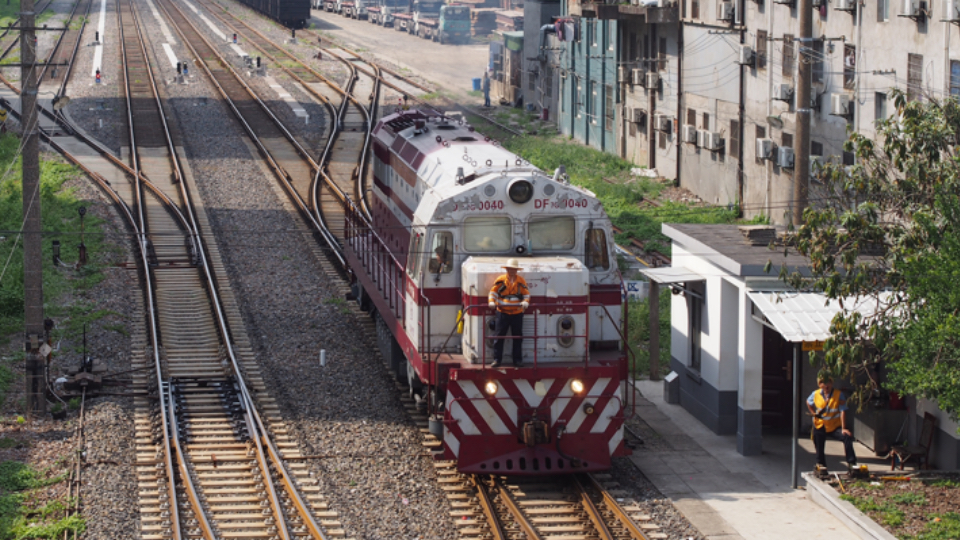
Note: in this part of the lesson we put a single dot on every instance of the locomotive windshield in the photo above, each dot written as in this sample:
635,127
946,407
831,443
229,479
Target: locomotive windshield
596,256
487,233
552,233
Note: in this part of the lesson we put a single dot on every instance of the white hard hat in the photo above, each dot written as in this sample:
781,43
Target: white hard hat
512,263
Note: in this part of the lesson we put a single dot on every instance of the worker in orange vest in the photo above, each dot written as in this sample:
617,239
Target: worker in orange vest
510,298
830,419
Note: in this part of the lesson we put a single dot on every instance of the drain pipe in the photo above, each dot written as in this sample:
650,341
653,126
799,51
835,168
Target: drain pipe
541,51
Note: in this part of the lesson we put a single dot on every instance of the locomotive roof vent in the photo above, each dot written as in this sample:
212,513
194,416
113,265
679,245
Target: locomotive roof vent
419,126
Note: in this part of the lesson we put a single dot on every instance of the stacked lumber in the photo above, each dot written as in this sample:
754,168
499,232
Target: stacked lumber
483,21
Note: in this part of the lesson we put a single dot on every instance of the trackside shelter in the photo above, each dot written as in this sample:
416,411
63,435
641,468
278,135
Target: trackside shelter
741,340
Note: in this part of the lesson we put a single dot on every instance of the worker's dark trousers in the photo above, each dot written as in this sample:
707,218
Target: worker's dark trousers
820,437
513,323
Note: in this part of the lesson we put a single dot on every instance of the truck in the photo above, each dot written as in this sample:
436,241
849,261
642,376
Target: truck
382,11
431,19
354,9
328,5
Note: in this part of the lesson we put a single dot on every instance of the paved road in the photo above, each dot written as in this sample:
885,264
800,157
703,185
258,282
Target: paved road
449,66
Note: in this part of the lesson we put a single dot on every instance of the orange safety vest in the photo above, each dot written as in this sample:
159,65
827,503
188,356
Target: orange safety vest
508,296
831,410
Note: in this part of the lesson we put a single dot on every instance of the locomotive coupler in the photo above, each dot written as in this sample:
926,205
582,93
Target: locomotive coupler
535,431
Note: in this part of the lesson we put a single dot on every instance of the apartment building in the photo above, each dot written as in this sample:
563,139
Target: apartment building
704,90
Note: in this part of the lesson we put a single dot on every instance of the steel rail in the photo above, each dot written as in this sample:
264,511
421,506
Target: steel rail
486,504
514,508
13,26
223,326
251,409
265,153
174,507
618,510
592,512
56,46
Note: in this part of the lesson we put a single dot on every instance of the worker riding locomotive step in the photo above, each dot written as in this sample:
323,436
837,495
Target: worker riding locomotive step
509,297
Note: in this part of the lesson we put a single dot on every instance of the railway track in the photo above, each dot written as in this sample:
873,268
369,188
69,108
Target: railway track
210,456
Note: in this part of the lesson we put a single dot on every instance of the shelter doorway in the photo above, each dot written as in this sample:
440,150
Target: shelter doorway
777,405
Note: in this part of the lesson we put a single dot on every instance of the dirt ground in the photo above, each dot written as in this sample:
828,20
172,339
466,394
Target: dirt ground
924,506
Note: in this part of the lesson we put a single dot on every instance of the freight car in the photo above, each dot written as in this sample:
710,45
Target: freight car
290,13
447,208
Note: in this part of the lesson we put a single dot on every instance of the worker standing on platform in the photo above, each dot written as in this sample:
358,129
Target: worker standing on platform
485,86
510,298
830,419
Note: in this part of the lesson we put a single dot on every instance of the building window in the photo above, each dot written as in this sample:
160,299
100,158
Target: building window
578,97
694,9
849,66
592,101
608,106
914,76
788,56
691,117
786,140
735,139
761,133
706,121
817,74
592,25
880,104
954,78
761,49
695,311
662,140
532,80
848,159
883,10
816,149
548,82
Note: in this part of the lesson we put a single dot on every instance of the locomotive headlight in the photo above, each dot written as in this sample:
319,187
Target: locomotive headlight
576,385
490,388
520,191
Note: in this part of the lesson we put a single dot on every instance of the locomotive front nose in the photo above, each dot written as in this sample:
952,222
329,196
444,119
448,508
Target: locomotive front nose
520,191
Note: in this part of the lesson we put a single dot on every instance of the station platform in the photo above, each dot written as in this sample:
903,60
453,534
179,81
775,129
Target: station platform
725,495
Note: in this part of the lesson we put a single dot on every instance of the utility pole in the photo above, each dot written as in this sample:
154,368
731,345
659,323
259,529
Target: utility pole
801,143
32,249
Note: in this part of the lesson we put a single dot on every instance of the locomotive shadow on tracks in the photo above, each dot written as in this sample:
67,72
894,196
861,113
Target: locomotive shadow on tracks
322,24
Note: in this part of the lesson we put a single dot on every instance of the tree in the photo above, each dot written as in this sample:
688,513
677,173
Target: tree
887,230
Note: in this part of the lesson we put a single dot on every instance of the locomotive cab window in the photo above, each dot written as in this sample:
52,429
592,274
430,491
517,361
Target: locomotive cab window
441,253
414,255
551,233
596,256
487,234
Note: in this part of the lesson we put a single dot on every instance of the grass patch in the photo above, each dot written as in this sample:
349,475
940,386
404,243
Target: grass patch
61,221
944,483
917,499
887,513
638,331
608,176
7,443
334,300
9,13
23,515
941,527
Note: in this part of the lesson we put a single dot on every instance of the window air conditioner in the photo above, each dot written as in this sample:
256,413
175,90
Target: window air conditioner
701,137
783,92
951,11
785,157
712,141
724,11
846,5
911,8
817,3
690,134
765,148
622,73
663,122
639,115
787,2
840,105
747,56
637,76
652,80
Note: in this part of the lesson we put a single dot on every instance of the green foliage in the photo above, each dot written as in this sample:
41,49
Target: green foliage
639,333
888,513
21,517
74,404
892,223
918,499
9,13
7,443
945,483
60,221
941,527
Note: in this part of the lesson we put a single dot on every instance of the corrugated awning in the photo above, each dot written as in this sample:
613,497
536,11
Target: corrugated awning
806,316
671,274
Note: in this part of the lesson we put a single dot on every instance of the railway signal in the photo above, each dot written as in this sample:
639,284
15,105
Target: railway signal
234,39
